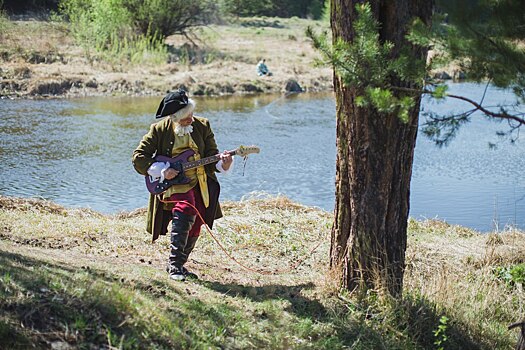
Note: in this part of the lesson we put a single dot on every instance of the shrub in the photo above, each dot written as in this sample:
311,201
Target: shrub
167,17
130,30
94,23
247,7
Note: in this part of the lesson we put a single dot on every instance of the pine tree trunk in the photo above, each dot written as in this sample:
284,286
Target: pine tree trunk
374,163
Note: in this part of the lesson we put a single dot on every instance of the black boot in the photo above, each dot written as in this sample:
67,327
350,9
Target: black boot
180,228
190,244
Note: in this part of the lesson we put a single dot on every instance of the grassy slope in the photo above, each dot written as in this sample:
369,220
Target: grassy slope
79,279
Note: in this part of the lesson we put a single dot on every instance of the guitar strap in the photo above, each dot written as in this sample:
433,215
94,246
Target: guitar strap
201,175
203,185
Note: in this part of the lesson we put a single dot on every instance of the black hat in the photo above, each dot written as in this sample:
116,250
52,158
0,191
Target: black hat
174,102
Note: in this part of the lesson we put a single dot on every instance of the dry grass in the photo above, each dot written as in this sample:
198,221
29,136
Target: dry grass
257,232
36,36
23,204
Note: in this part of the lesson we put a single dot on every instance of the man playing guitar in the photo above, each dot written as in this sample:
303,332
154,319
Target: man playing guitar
172,136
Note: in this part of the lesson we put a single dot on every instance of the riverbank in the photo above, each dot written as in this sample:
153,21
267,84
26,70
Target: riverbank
40,59
74,278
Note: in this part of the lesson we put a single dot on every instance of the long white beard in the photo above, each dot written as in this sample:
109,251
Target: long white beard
183,130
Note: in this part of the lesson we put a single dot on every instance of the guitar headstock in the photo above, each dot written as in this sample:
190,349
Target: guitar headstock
243,151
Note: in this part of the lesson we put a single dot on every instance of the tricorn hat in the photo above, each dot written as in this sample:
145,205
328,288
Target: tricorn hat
176,103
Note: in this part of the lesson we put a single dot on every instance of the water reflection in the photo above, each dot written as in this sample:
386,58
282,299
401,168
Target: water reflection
78,152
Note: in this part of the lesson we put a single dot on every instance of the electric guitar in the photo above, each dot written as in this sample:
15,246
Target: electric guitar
181,163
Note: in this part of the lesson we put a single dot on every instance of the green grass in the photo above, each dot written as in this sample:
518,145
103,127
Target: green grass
95,281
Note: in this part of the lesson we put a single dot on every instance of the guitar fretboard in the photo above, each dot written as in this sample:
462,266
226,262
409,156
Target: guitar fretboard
203,161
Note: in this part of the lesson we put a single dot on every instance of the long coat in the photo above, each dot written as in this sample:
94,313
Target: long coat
159,141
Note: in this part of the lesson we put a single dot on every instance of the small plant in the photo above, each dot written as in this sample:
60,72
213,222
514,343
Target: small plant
210,57
441,333
184,56
494,240
6,278
511,275
80,324
116,342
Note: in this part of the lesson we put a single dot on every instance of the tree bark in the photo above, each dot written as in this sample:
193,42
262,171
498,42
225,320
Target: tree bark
374,160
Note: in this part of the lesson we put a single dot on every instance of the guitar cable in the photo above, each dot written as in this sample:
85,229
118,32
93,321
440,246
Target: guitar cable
261,272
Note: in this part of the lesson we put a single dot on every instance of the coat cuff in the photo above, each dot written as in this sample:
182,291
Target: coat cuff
221,169
157,169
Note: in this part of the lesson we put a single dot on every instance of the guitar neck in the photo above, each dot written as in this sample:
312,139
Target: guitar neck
204,161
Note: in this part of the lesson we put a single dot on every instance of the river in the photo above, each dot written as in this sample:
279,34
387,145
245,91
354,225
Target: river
78,153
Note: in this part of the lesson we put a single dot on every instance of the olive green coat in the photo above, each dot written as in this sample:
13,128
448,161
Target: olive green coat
159,141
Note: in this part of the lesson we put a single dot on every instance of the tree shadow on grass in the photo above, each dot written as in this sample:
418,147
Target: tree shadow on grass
32,298
306,309
45,302
410,324
299,304
421,321
348,331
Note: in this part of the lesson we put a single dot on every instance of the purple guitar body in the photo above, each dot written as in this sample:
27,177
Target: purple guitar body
177,163
181,164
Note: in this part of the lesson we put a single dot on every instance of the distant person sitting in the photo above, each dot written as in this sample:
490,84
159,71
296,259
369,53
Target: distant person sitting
262,69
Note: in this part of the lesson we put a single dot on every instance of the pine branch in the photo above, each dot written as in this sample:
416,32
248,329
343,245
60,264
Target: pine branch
479,107
504,115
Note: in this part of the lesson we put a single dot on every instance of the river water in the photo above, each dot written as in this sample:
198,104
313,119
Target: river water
78,153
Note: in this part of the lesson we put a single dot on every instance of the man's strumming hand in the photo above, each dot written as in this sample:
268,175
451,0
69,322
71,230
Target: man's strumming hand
170,173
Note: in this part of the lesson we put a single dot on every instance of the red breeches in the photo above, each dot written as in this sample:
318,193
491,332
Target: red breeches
193,197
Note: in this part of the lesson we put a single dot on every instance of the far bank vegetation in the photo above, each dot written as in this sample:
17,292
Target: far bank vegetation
135,30
115,47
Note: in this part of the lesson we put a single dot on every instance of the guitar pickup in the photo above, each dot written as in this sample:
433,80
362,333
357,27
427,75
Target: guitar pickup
177,166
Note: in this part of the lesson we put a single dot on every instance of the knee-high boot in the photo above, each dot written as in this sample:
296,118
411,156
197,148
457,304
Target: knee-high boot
190,244
181,225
